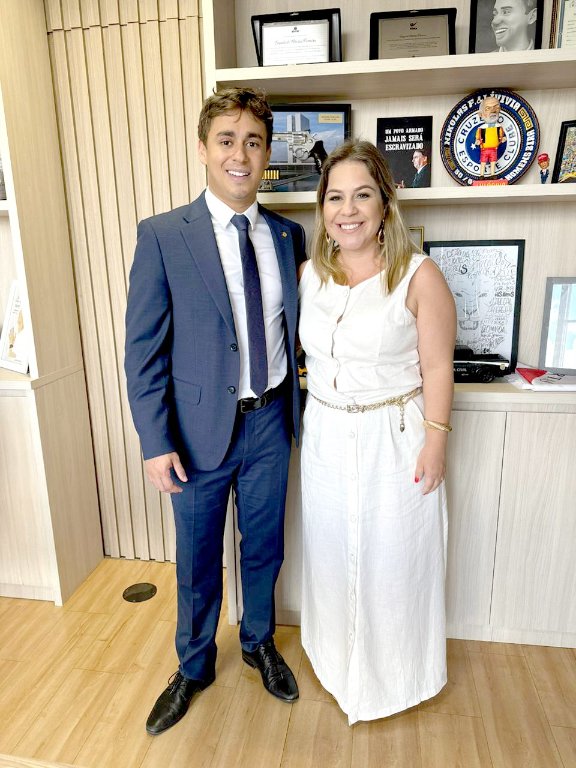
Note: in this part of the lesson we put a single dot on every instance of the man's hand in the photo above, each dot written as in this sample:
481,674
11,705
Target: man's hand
158,470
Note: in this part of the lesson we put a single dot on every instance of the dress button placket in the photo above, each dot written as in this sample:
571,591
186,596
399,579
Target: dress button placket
351,426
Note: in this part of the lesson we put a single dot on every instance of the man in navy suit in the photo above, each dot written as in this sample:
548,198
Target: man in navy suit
213,388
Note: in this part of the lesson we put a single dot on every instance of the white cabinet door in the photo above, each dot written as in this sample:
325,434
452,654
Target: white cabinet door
535,573
475,448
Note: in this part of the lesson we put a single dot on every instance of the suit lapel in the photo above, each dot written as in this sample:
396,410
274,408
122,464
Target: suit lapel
198,234
284,246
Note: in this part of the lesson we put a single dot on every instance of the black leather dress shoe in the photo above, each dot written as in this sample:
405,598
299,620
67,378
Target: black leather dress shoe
276,674
173,703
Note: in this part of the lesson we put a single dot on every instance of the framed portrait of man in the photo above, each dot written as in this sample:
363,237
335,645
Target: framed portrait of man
499,26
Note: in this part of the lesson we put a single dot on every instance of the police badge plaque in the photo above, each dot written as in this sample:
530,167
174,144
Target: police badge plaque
464,130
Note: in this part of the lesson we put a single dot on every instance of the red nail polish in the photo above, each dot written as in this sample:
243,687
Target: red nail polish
416,479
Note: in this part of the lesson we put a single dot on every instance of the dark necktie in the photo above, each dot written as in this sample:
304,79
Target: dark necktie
254,310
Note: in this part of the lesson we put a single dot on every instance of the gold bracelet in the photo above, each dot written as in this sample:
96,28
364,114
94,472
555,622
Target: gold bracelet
437,425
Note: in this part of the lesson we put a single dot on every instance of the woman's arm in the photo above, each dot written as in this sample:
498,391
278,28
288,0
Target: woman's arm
431,301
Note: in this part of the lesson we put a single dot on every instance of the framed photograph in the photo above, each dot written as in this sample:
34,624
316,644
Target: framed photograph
303,136
563,26
565,163
399,34
417,237
498,26
558,339
300,37
406,144
485,277
14,336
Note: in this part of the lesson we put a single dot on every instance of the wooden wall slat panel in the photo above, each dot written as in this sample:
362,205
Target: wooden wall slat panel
128,11
128,91
90,13
174,109
114,263
136,103
109,12
53,15
192,87
71,16
148,10
188,8
93,217
84,293
157,144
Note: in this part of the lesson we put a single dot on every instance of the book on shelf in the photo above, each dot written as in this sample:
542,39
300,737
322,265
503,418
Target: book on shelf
541,380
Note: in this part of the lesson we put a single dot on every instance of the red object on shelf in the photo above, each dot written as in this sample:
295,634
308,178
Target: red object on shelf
530,374
490,183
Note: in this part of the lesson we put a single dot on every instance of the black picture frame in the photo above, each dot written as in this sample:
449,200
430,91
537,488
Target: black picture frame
398,138
565,162
296,166
332,15
483,39
376,18
485,277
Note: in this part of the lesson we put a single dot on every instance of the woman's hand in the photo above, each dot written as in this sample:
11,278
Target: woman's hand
431,465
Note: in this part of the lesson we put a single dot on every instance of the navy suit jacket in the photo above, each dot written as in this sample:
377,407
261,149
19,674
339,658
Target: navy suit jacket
182,361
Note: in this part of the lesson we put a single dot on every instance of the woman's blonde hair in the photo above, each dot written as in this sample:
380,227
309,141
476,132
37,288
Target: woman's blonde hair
397,249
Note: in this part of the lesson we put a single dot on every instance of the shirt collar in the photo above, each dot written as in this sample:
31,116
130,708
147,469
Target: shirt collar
223,213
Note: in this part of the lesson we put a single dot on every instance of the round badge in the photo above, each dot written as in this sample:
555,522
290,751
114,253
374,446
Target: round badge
469,143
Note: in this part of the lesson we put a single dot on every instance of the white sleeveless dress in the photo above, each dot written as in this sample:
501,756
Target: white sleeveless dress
374,548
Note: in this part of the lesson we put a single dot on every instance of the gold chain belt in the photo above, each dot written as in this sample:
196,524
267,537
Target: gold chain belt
399,401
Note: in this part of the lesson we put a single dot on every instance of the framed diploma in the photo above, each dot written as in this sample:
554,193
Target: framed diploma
301,37
563,27
399,34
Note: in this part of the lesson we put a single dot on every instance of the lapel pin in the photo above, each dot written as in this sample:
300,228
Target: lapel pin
284,234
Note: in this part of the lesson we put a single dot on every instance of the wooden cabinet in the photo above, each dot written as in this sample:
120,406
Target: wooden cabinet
50,536
535,565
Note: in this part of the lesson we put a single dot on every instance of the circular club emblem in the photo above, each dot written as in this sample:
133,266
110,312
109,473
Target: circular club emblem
464,130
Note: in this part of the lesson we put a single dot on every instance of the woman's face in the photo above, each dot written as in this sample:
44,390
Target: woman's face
353,207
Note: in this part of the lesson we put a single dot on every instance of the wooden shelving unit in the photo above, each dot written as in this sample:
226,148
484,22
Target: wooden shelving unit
50,535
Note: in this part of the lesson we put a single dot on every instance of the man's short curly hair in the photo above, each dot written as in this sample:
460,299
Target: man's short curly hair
231,99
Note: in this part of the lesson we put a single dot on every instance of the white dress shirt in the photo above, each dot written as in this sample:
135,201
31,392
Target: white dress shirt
270,283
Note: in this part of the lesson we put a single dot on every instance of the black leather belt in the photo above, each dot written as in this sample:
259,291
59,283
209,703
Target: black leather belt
249,404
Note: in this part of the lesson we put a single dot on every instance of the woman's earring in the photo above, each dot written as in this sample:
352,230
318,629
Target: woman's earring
381,234
328,238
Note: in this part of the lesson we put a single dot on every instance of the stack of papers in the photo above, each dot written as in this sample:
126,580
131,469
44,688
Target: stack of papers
542,381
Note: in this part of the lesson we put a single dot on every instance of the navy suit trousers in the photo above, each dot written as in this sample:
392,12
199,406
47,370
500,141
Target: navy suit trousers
256,466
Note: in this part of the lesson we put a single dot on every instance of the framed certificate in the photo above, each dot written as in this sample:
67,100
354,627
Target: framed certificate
563,27
399,34
565,163
301,37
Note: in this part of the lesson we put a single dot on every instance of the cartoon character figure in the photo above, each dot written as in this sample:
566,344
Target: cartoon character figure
544,162
489,135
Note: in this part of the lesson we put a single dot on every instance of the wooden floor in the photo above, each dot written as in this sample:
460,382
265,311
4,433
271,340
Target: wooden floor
78,682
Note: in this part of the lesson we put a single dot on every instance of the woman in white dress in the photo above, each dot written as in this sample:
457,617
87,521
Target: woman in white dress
378,326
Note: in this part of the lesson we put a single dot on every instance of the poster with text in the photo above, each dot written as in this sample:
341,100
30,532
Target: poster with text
406,144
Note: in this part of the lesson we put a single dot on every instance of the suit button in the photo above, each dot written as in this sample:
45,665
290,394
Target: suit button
234,347
231,390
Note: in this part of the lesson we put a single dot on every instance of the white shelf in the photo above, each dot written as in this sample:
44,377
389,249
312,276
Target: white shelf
3,208
454,195
430,75
13,380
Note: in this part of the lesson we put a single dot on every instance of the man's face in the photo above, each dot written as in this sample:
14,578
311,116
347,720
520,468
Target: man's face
544,164
491,111
418,160
235,155
510,23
